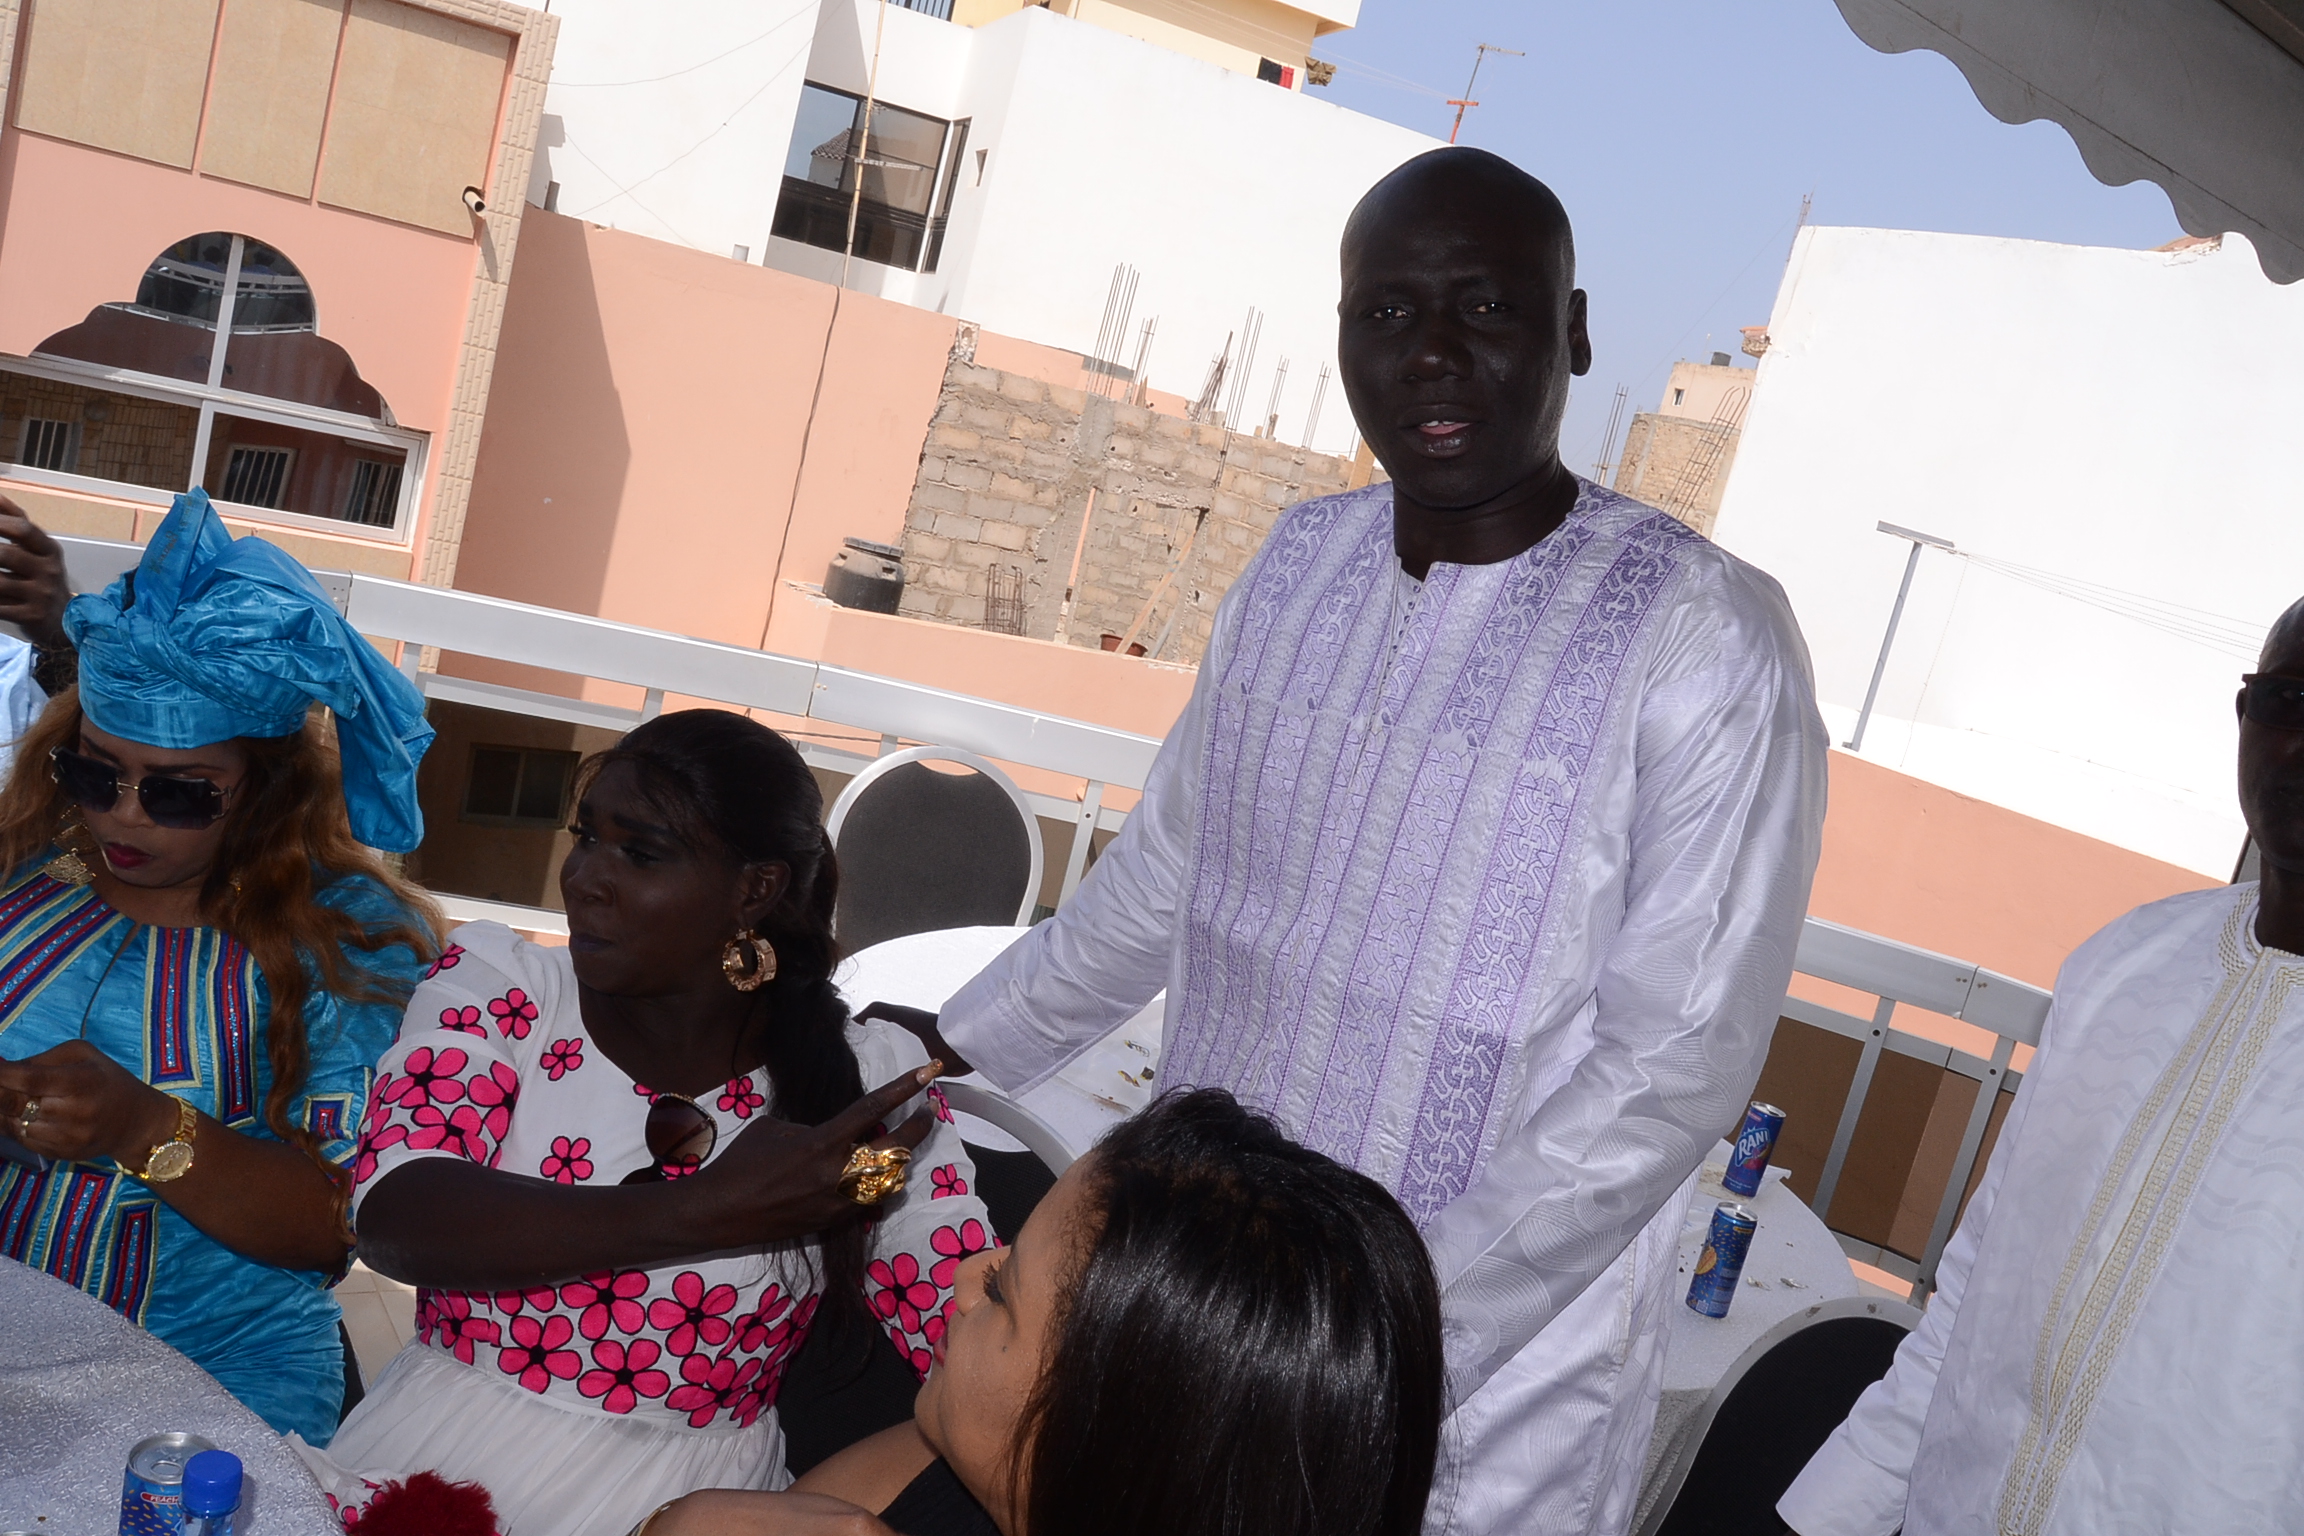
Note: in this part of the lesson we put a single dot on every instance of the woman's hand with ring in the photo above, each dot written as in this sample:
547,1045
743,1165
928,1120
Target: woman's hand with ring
779,1181
75,1103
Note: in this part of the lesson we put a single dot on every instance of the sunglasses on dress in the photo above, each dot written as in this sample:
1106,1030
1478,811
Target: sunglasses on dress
680,1136
183,804
2277,702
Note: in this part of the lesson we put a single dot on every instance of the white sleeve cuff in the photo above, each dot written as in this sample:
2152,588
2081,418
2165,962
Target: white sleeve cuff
1840,1493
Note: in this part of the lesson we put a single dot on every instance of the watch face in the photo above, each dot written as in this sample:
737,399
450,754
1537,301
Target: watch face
170,1160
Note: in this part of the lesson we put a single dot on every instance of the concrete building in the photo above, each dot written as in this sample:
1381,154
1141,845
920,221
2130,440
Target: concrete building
1065,179
1678,456
2105,438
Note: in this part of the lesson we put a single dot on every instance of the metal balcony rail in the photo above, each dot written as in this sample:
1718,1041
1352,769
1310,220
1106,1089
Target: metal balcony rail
662,663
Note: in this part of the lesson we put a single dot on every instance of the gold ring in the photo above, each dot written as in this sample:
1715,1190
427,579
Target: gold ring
30,1114
874,1173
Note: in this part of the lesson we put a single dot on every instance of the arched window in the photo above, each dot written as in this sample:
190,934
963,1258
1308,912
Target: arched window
142,394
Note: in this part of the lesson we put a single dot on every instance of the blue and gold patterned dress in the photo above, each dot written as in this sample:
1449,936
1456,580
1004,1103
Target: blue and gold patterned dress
186,1009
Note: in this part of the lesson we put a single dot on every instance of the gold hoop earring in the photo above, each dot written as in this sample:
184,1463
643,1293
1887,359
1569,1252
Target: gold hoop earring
748,972
68,867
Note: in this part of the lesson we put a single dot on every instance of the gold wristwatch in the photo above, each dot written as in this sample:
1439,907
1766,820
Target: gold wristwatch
172,1159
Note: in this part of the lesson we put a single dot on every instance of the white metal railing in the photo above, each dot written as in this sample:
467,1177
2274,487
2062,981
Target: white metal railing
661,663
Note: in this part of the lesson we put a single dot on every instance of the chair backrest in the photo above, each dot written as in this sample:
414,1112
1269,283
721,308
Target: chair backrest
1771,1412
922,849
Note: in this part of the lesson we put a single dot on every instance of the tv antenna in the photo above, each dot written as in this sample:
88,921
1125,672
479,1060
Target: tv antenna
1466,100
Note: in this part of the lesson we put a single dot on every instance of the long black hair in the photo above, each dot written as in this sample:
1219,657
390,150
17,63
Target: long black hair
725,782
1250,1345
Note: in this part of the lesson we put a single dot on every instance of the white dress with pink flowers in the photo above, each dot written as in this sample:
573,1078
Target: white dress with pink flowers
581,1407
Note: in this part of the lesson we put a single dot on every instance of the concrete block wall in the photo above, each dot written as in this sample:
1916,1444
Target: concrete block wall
1005,477
1658,451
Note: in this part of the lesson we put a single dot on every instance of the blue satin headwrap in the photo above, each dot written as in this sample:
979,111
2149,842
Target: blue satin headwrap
213,637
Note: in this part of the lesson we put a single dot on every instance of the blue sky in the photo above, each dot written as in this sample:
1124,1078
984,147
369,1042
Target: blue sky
1682,134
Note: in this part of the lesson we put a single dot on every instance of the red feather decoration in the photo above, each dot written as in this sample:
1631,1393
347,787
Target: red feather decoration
427,1504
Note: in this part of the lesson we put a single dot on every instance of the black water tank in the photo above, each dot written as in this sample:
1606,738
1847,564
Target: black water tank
866,575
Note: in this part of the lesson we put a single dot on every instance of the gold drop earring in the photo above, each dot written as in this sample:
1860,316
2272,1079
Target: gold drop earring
68,867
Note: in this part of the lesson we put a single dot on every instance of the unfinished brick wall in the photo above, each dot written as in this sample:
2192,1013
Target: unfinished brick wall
1004,480
1664,464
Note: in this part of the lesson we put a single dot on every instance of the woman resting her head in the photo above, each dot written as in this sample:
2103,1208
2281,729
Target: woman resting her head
1205,1329
201,958
625,1174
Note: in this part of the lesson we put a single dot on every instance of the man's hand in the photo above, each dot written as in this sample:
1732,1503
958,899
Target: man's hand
922,1025
724,1512
33,590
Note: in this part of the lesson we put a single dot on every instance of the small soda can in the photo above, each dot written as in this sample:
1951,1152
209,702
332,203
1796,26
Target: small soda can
1721,1263
152,1496
1755,1144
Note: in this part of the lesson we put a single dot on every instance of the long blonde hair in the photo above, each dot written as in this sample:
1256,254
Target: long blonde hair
286,838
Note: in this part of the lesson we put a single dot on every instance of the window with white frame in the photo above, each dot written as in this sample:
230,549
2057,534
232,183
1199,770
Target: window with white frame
214,375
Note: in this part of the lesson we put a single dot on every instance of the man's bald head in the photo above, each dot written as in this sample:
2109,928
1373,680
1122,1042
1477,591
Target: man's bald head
2284,642
1470,188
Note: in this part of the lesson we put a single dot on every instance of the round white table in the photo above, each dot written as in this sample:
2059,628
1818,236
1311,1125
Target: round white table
80,1385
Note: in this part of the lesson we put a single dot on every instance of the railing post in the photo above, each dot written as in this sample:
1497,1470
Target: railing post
651,704
1852,1110
1083,835
1963,1163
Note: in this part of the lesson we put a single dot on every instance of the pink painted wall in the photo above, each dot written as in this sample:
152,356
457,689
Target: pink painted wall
644,434
78,227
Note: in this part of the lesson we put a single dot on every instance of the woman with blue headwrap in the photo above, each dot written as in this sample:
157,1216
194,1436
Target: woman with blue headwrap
201,957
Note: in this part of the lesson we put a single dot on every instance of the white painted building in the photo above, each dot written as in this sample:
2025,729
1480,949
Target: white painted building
2108,438
1012,167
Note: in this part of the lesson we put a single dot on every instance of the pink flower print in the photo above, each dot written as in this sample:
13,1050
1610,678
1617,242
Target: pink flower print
493,1094
783,1342
692,1315
622,1374
956,1243
537,1353
432,1077
610,1297
455,1329
449,959
371,1143
566,1163
565,1056
755,1329
903,1296
515,1011
645,1092
457,1130
947,1181
936,1100
712,1384
466,1020
740,1098
543,1298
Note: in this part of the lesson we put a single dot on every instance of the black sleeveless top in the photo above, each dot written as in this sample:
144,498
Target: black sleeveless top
936,1504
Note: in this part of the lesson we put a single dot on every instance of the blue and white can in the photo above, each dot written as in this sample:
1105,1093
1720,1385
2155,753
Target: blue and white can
152,1494
1755,1144
1721,1263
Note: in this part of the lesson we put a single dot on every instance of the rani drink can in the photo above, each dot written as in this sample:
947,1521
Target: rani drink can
152,1496
1721,1263
1755,1144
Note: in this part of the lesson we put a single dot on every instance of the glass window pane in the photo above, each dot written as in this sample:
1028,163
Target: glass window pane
544,785
821,137
901,161
289,469
96,432
494,785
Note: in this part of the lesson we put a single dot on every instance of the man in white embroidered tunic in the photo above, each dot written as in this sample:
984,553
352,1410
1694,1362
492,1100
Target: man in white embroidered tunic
2114,1343
1480,853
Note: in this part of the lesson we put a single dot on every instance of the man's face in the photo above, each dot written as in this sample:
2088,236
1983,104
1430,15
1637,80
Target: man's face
1457,344
2272,768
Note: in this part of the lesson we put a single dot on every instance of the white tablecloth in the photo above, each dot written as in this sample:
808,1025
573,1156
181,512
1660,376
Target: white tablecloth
80,1385
1103,1086
1794,1262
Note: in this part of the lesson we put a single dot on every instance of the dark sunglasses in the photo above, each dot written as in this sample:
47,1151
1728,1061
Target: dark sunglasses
185,805
2274,701
680,1136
